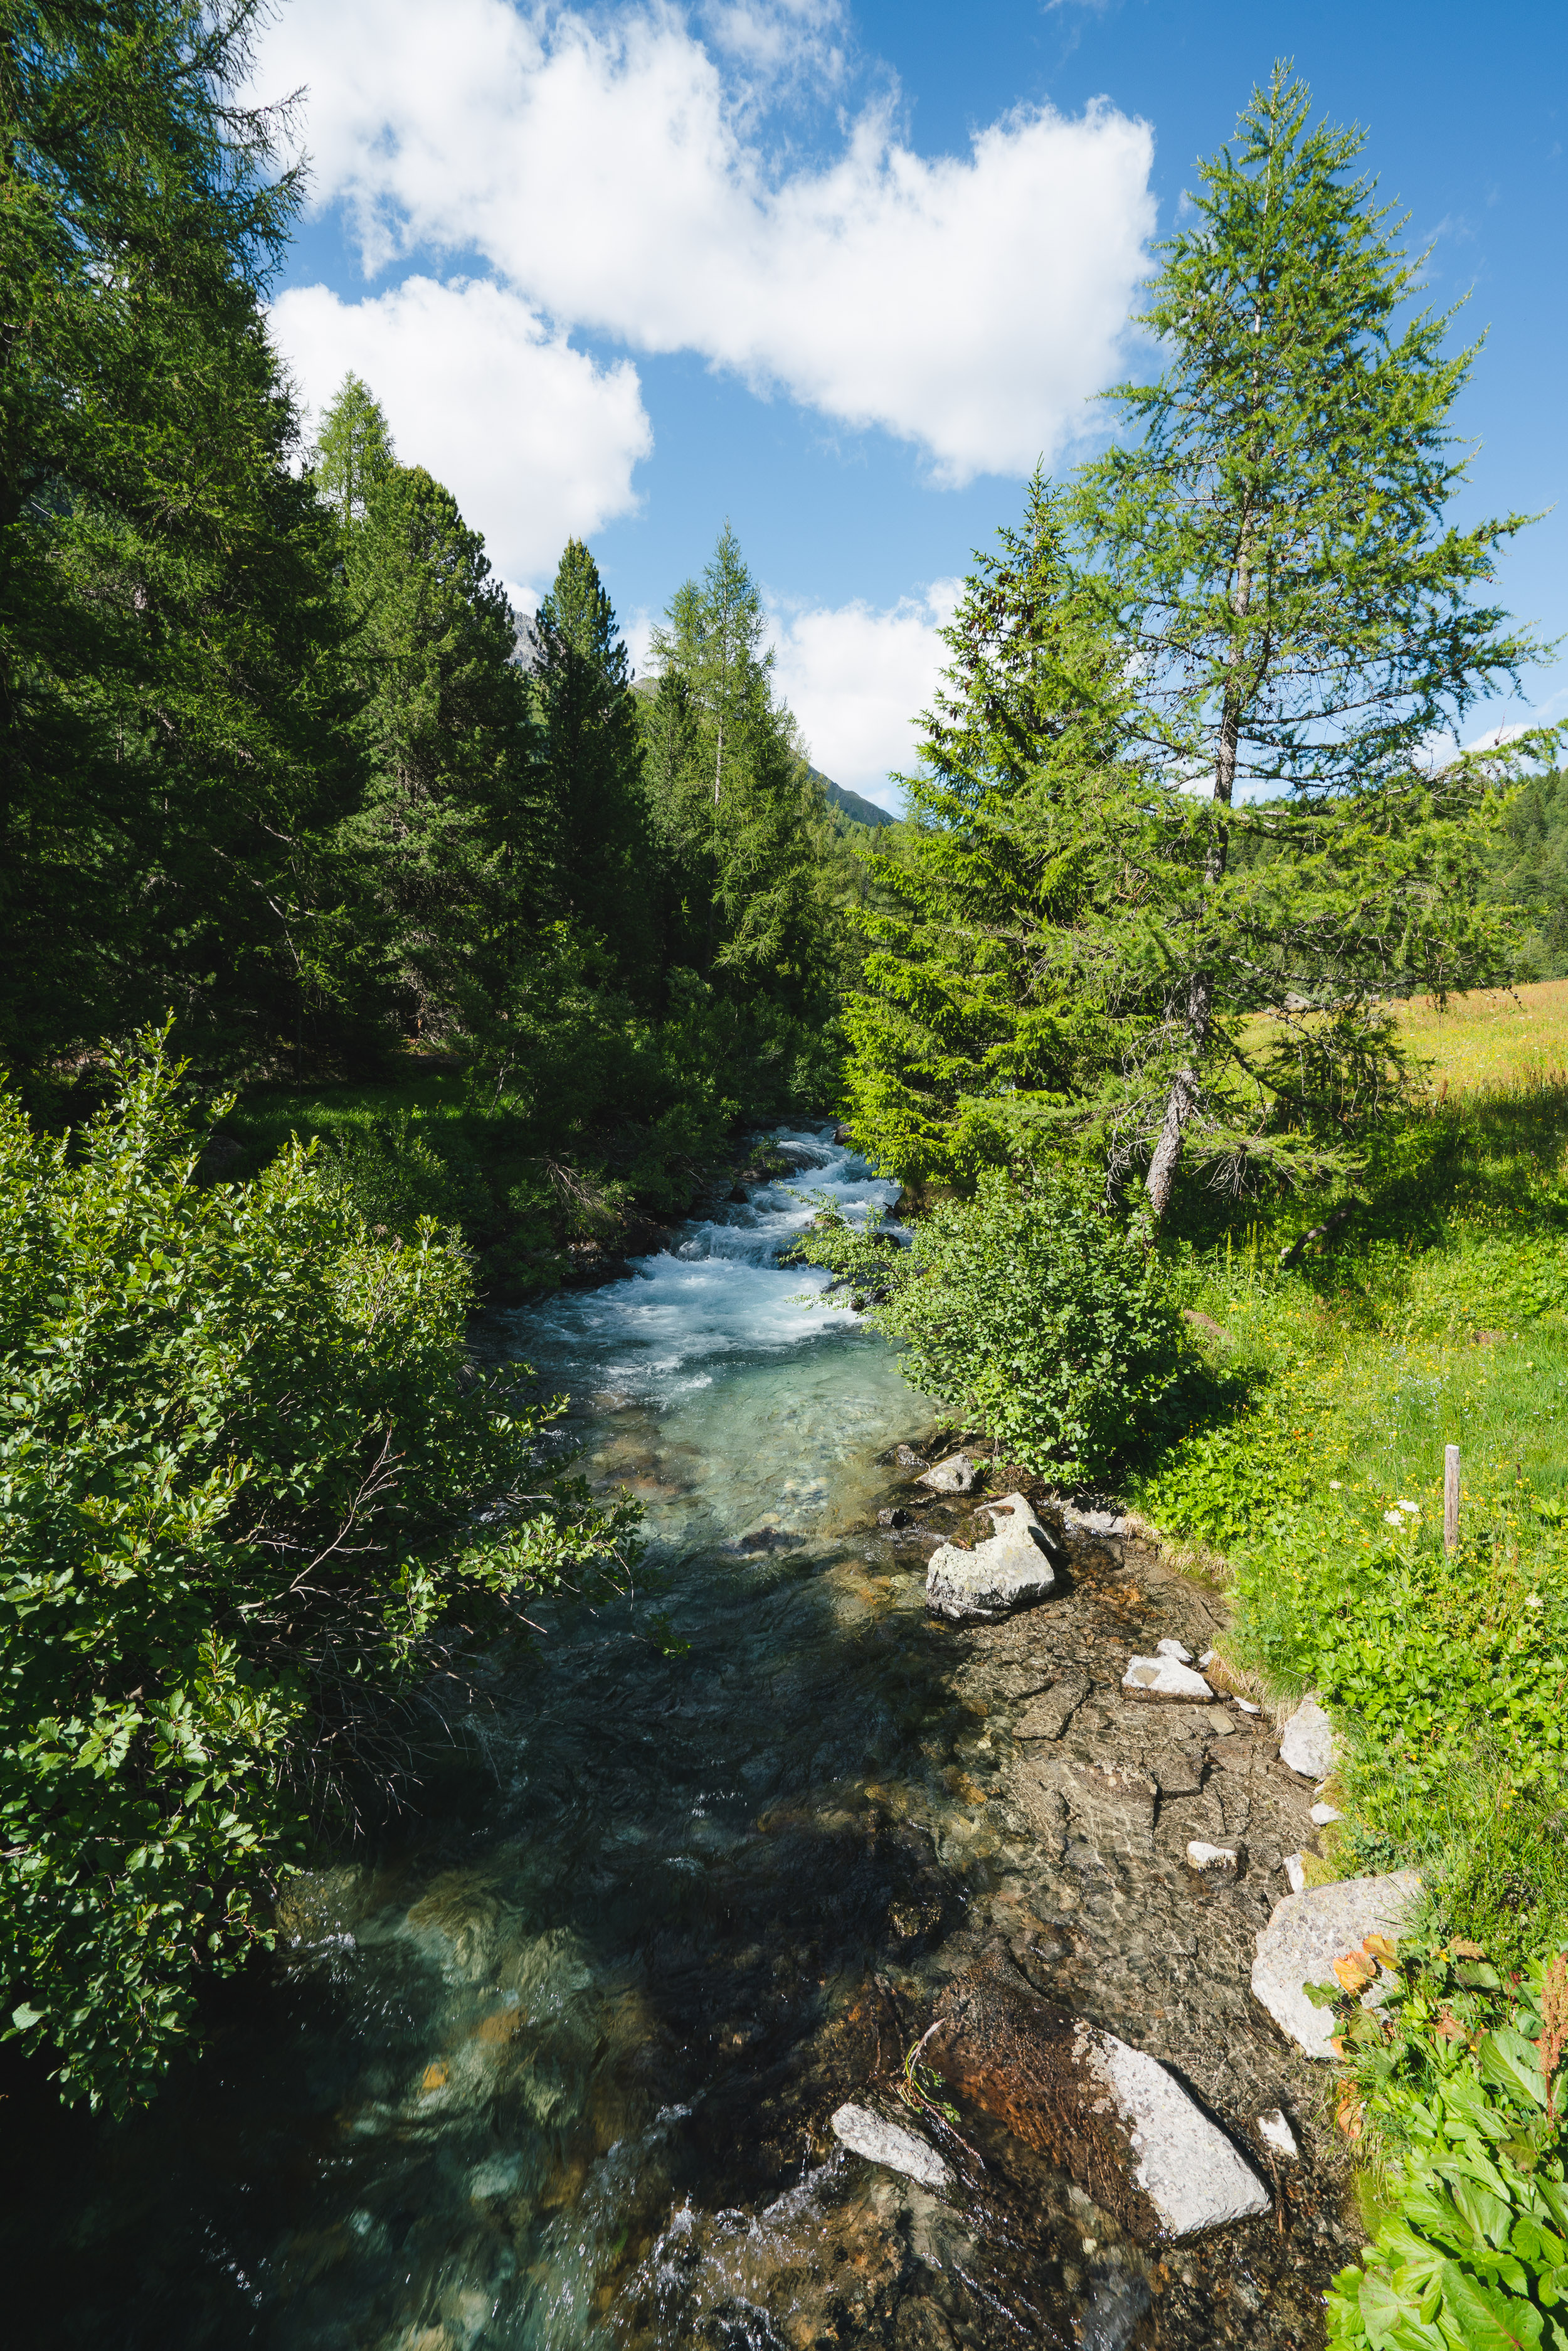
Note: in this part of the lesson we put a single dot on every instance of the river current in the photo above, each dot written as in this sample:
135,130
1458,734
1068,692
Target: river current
528,2070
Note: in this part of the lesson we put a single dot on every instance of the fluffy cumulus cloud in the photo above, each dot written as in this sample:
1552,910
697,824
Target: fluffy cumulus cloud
857,679
617,174
527,432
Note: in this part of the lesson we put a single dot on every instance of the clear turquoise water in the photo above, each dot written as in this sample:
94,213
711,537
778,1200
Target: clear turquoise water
513,2061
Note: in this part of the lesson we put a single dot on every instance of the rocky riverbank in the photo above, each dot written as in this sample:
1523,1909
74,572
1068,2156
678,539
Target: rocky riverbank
1091,1925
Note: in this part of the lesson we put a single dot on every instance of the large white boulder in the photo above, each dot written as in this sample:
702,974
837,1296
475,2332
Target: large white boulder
1010,1569
881,2141
1308,1932
1188,2171
1308,1744
1166,1678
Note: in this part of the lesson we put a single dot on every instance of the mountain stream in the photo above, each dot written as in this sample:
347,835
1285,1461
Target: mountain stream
550,2067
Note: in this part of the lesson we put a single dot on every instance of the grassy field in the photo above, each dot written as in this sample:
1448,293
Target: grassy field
1309,1477
1498,1037
1312,1467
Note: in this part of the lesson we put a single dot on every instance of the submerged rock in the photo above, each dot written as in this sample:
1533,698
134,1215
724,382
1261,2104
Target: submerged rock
959,1474
1165,1677
1217,1861
1011,1570
1096,1523
881,2141
1110,2116
1310,1931
1307,1744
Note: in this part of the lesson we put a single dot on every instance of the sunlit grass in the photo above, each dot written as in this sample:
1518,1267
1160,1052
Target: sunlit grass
1493,1037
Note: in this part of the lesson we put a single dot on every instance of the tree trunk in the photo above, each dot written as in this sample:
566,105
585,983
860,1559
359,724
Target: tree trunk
1182,1097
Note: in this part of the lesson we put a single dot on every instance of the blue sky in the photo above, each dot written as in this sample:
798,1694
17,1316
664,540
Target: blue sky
840,273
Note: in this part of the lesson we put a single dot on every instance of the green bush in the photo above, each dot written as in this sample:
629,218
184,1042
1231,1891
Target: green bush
1455,2083
249,1486
1027,1311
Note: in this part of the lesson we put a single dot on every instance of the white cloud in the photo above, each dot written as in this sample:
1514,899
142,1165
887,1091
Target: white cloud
611,175
533,439
857,680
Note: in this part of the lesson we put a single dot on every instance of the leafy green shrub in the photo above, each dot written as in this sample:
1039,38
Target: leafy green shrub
250,1486
396,1174
1027,1311
1225,1485
1457,2081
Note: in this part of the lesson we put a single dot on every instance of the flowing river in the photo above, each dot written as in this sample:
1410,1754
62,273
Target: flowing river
548,2068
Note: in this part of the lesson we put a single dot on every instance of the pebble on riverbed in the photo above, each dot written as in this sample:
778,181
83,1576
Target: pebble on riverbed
881,2141
1217,1862
1307,1745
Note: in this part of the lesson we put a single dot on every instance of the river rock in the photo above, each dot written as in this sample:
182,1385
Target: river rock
1167,1679
1109,2116
880,2141
1047,1716
1308,1744
1096,1523
1214,1862
1174,1649
1112,1803
1310,1931
957,1475
1010,1569
1276,2133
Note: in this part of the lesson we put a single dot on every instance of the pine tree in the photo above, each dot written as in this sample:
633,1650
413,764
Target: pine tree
173,698
605,866
353,450
970,1026
454,837
1301,621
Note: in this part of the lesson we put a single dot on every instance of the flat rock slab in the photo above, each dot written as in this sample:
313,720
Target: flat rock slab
1047,1716
959,1474
1165,1679
881,2141
1307,1744
1113,1805
1109,2116
1310,1931
1011,1570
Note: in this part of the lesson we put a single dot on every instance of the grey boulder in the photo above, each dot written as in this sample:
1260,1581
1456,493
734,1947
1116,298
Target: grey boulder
1307,1744
1308,1932
1011,1570
881,2141
957,1475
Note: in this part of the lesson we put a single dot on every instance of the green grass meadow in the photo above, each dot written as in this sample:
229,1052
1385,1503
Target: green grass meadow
1310,1477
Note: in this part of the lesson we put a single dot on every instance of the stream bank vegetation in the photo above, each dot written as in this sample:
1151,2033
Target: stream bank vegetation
1144,953
261,1516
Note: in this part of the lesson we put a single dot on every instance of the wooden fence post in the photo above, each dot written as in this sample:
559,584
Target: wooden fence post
1451,1498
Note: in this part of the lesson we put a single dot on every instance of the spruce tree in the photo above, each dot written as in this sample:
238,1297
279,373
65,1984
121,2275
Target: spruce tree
742,807
605,875
1301,620
965,1031
174,749
453,841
